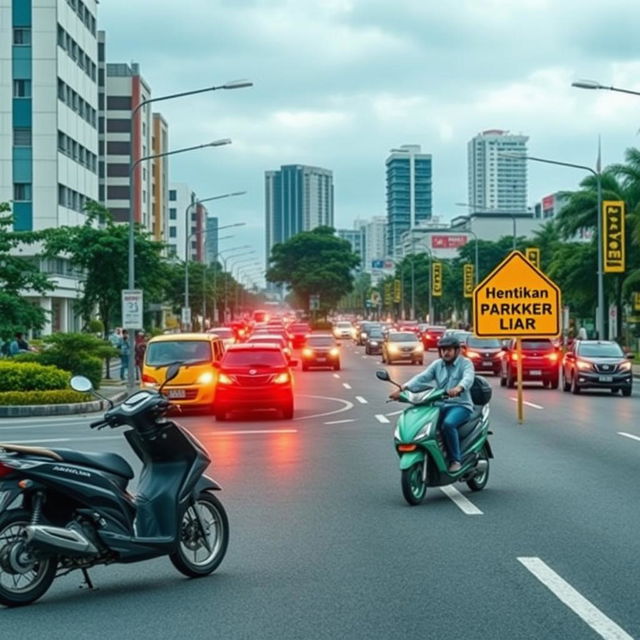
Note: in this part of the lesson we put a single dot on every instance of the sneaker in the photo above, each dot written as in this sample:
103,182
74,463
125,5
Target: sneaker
454,467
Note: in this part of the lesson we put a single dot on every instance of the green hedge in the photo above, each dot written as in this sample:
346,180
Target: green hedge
30,376
57,396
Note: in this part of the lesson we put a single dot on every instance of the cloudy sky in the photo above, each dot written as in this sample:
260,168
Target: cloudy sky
337,83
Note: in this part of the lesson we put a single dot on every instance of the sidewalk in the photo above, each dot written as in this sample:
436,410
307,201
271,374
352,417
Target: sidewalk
636,370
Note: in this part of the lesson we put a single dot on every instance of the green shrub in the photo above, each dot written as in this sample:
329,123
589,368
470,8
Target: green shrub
30,376
57,396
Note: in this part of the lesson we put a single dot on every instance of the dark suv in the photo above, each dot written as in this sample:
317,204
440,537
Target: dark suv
485,353
596,365
540,361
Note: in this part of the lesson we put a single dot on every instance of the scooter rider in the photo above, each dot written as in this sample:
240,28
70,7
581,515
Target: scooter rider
454,373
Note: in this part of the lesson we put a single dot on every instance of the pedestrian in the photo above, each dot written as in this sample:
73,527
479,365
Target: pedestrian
582,333
19,344
124,349
141,347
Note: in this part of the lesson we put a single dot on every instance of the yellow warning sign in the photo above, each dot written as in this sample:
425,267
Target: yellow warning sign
533,256
516,300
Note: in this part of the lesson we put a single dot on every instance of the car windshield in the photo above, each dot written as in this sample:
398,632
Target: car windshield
344,325
320,341
402,337
611,350
162,353
483,343
536,345
375,333
253,358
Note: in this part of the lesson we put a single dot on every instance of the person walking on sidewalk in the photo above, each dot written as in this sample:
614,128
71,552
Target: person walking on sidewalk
141,347
124,349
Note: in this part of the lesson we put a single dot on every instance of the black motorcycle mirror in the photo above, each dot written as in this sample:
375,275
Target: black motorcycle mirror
84,385
172,371
381,374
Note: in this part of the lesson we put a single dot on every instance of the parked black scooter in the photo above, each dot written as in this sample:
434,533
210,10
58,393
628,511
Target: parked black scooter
62,510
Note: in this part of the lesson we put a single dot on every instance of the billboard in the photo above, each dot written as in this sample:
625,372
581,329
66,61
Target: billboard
448,241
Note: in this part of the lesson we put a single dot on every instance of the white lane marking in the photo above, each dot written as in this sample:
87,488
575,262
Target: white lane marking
529,404
628,435
347,407
598,621
394,413
341,421
361,400
364,357
462,502
381,418
346,385
335,375
240,432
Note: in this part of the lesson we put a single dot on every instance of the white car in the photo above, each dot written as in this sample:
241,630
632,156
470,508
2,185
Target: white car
343,330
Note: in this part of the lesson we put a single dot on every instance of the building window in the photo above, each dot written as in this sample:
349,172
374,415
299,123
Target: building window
117,170
22,137
118,125
22,88
118,192
22,36
173,232
119,103
173,214
118,148
22,192
172,194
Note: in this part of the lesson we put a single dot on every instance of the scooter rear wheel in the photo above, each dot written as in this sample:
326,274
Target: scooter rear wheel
22,579
479,482
414,489
192,557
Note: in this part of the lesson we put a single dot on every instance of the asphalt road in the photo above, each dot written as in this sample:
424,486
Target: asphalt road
324,546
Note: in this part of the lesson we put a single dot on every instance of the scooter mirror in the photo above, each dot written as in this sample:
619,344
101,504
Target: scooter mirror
80,383
172,371
381,374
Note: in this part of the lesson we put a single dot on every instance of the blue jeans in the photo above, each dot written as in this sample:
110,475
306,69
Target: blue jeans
451,418
124,366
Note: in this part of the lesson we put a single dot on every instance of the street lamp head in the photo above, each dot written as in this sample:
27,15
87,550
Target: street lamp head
587,84
219,143
237,84
238,193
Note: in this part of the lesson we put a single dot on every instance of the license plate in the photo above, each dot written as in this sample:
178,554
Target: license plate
535,372
487,363
177,393
321,359
605,378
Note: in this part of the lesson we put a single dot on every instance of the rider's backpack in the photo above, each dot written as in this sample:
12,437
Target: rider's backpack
480,391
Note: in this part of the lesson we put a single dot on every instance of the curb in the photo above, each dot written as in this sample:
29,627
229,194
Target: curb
27,410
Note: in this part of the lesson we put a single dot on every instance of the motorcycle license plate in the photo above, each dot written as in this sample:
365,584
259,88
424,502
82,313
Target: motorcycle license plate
535,372
605,378
177,393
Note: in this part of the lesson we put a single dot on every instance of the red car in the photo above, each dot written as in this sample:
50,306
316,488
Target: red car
298,332
431,335
540,361
485,353
254,376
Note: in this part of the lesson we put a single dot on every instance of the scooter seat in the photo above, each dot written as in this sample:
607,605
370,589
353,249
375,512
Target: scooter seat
465,429
110,462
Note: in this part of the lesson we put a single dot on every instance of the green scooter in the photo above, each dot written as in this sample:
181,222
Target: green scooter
420,443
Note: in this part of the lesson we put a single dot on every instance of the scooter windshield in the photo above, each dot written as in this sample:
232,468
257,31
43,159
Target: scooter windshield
427,396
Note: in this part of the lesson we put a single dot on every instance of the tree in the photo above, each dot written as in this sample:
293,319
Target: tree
99,249
314,262
18,275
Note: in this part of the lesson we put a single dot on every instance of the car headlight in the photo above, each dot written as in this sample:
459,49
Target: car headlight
424,432
419,348
307,353
584,366
363,334
373,343
625,366
205,378
335,352
393,348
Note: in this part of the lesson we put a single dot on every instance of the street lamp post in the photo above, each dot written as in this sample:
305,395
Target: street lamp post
598,176
592,84
215,275
233,266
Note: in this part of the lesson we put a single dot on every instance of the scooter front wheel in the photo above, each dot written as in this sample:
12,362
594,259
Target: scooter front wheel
23,578
203,537
414,488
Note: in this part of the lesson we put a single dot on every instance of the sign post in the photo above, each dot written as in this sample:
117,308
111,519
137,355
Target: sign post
132,309
517,300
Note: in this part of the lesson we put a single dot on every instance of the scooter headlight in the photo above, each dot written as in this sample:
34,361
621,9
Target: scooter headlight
424,432
396,434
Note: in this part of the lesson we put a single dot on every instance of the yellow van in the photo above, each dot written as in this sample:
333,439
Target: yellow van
194,386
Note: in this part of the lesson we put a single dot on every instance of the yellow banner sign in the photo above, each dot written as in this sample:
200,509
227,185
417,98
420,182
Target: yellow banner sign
613,236
388,294
467,280
397,291
516,300
533,256
636,301
436,279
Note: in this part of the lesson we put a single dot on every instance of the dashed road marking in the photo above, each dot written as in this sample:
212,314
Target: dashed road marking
529,404
346,385
382,419
628,435
598,621
394,413
361,400
341,421
462,502
335,375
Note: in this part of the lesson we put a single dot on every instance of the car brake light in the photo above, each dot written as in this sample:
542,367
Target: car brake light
148,379
307,353
281,378
334,351
553,357
223,378
514,357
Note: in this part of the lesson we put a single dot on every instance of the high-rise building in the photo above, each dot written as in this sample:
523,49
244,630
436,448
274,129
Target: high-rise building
374,231
160,178
183,202
48,135
211,239
127,141
409,191
356,238
297,198
497,182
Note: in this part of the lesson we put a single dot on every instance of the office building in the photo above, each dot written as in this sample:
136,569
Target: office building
356,238
183,202
125,142
49,136
297,198
211,239
160,179
409,191
497,182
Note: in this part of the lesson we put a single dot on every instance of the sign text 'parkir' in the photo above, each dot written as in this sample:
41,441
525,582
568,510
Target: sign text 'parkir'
516,300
